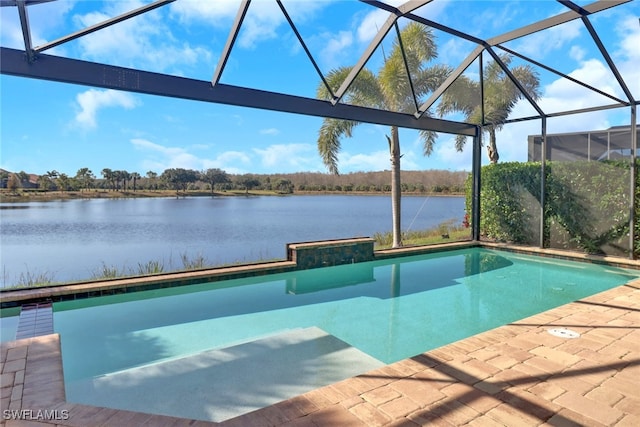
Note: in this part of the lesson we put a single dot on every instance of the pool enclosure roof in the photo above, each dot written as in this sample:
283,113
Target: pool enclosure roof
470,49
37,61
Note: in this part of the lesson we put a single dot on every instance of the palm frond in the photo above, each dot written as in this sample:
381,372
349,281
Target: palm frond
331,132
366,91
363,91
461,140
428,141
462,96
390,89
429,79
334,79
394,84
529,79
419,45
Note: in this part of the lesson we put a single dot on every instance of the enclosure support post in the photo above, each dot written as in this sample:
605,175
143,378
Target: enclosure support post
475,170
634,174
543,182
476,162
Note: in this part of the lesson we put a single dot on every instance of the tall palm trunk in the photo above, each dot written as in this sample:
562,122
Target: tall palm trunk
394,149
492,148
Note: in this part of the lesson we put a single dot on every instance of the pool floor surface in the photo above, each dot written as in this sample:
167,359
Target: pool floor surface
517,374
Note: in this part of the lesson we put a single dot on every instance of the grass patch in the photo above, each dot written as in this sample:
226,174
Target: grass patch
32,280
107,272
196,263
446,232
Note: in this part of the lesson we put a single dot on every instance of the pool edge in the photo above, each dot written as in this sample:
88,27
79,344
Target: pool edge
10,298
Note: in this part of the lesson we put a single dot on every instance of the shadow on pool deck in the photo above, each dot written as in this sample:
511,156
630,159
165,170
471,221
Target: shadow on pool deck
518,374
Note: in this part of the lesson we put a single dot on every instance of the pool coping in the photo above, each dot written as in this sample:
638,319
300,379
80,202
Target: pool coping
516,374
12,298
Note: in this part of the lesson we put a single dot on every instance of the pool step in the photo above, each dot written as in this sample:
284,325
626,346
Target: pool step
219,384
35,320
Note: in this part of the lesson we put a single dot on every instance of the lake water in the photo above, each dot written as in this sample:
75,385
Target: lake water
73,239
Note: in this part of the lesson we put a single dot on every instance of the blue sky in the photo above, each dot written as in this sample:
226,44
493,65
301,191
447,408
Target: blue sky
46,126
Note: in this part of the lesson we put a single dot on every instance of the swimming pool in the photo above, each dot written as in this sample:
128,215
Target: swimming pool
216,350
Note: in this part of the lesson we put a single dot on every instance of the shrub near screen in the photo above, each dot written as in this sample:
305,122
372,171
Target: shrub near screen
587,204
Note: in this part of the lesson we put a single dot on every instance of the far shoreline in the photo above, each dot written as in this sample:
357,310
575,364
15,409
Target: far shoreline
33,196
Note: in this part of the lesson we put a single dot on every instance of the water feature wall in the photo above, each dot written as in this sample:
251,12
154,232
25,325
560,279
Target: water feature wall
330,252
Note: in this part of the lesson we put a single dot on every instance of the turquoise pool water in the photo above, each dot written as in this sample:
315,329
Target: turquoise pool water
8,327
383,311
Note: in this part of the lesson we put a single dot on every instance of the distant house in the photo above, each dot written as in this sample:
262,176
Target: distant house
607,144
30,182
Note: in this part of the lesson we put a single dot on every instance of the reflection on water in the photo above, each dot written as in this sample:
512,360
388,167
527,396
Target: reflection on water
478,262
14,206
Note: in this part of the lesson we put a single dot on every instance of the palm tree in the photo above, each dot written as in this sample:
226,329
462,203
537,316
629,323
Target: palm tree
63,182
109,176
86,177
500,96
152,176
135,176
390,89
45,182
52,176
125,177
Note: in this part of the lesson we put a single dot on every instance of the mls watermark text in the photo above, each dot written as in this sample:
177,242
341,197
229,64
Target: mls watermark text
36,415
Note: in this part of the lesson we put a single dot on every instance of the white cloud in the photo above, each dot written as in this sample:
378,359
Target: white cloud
289,157
564,95
409,160
269,131
490,21
142,144
577,53
10,31
167,157
213,12
627,55
228,157
375,19
539,44
453,51
92,100
46,21
261,22
371,24
377,160
447,157
145,41
335,46
161,157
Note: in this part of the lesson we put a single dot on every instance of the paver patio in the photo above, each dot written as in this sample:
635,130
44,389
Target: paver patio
518,374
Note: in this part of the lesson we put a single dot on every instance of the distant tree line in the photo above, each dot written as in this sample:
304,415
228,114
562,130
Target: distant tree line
215,179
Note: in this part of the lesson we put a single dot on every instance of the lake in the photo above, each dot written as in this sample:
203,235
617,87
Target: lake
74,239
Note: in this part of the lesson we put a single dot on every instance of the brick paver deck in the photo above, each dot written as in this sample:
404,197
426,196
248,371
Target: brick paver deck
518,374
